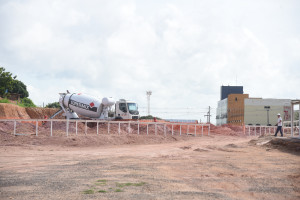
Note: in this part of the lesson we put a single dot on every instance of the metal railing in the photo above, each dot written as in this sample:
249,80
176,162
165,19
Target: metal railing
172,128
288,123
268,130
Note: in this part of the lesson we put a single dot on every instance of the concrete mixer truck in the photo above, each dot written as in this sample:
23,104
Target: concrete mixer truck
73,104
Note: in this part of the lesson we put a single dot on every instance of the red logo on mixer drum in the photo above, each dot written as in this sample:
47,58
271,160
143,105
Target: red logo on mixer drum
89,107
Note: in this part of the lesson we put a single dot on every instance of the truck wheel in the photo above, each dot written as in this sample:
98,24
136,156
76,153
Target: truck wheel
118,118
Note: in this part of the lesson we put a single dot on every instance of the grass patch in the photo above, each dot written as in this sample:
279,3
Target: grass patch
4,101
129,184
101,182
139,184
88,192
118,190
123,184
102,191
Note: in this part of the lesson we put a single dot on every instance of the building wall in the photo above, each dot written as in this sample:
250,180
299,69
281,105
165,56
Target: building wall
235,109
256,113
221,117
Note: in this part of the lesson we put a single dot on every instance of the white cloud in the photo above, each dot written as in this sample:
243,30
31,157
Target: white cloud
182,51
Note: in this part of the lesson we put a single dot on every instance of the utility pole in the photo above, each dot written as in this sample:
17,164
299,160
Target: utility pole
208,115
148,99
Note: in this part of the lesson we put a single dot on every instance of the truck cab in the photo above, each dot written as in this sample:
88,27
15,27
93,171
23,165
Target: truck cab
125,109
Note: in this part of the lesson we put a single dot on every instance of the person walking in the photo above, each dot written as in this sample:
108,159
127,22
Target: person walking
279,125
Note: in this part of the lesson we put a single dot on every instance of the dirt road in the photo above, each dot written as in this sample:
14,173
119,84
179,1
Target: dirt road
209,167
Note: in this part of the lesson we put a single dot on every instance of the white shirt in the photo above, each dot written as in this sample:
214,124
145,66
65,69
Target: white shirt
279,121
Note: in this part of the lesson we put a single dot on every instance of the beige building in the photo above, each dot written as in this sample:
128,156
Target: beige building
264,111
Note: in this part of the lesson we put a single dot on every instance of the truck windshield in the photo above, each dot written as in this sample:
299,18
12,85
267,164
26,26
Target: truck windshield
132,106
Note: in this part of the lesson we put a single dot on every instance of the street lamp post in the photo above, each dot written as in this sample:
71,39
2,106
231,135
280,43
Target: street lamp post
267,108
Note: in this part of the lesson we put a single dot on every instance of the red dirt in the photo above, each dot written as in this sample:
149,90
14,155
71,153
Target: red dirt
223,165
12,111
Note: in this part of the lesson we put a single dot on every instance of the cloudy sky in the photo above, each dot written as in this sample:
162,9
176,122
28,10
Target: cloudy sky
181,50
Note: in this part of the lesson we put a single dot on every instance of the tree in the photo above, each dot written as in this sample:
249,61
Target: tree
20,88
53,105
9,84
6,81
149,117
296,115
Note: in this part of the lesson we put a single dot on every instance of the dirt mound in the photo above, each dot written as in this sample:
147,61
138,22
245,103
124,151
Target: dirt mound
280,143
39,113
12,111
285,144
227,130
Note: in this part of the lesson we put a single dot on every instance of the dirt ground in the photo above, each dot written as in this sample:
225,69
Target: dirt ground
124,164
172,167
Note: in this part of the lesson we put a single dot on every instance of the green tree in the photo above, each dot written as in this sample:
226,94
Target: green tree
53,105
20,88
9,84
296,115
6,81
149,117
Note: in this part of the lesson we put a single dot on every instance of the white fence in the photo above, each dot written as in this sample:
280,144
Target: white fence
139,127
270,130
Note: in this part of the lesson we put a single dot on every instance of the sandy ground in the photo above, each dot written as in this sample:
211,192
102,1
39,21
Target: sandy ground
208,167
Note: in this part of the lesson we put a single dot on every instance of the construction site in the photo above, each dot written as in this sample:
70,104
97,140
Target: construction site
149,100
63,158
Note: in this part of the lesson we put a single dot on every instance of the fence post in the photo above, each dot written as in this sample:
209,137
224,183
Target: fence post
180,128
85,128
119,128
97,128
165,129
147,129
187,132
15,127
249,130
155,129
172,129
76,125
51,128
208,129
138,128
67,127
195,130
108,127
128,127
202,129
36,127
260,131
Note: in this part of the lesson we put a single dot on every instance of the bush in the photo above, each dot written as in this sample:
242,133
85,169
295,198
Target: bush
4,100
53,105
149,117
26,102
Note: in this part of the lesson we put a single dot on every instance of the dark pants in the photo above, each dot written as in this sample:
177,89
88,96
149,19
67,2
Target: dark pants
279,128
